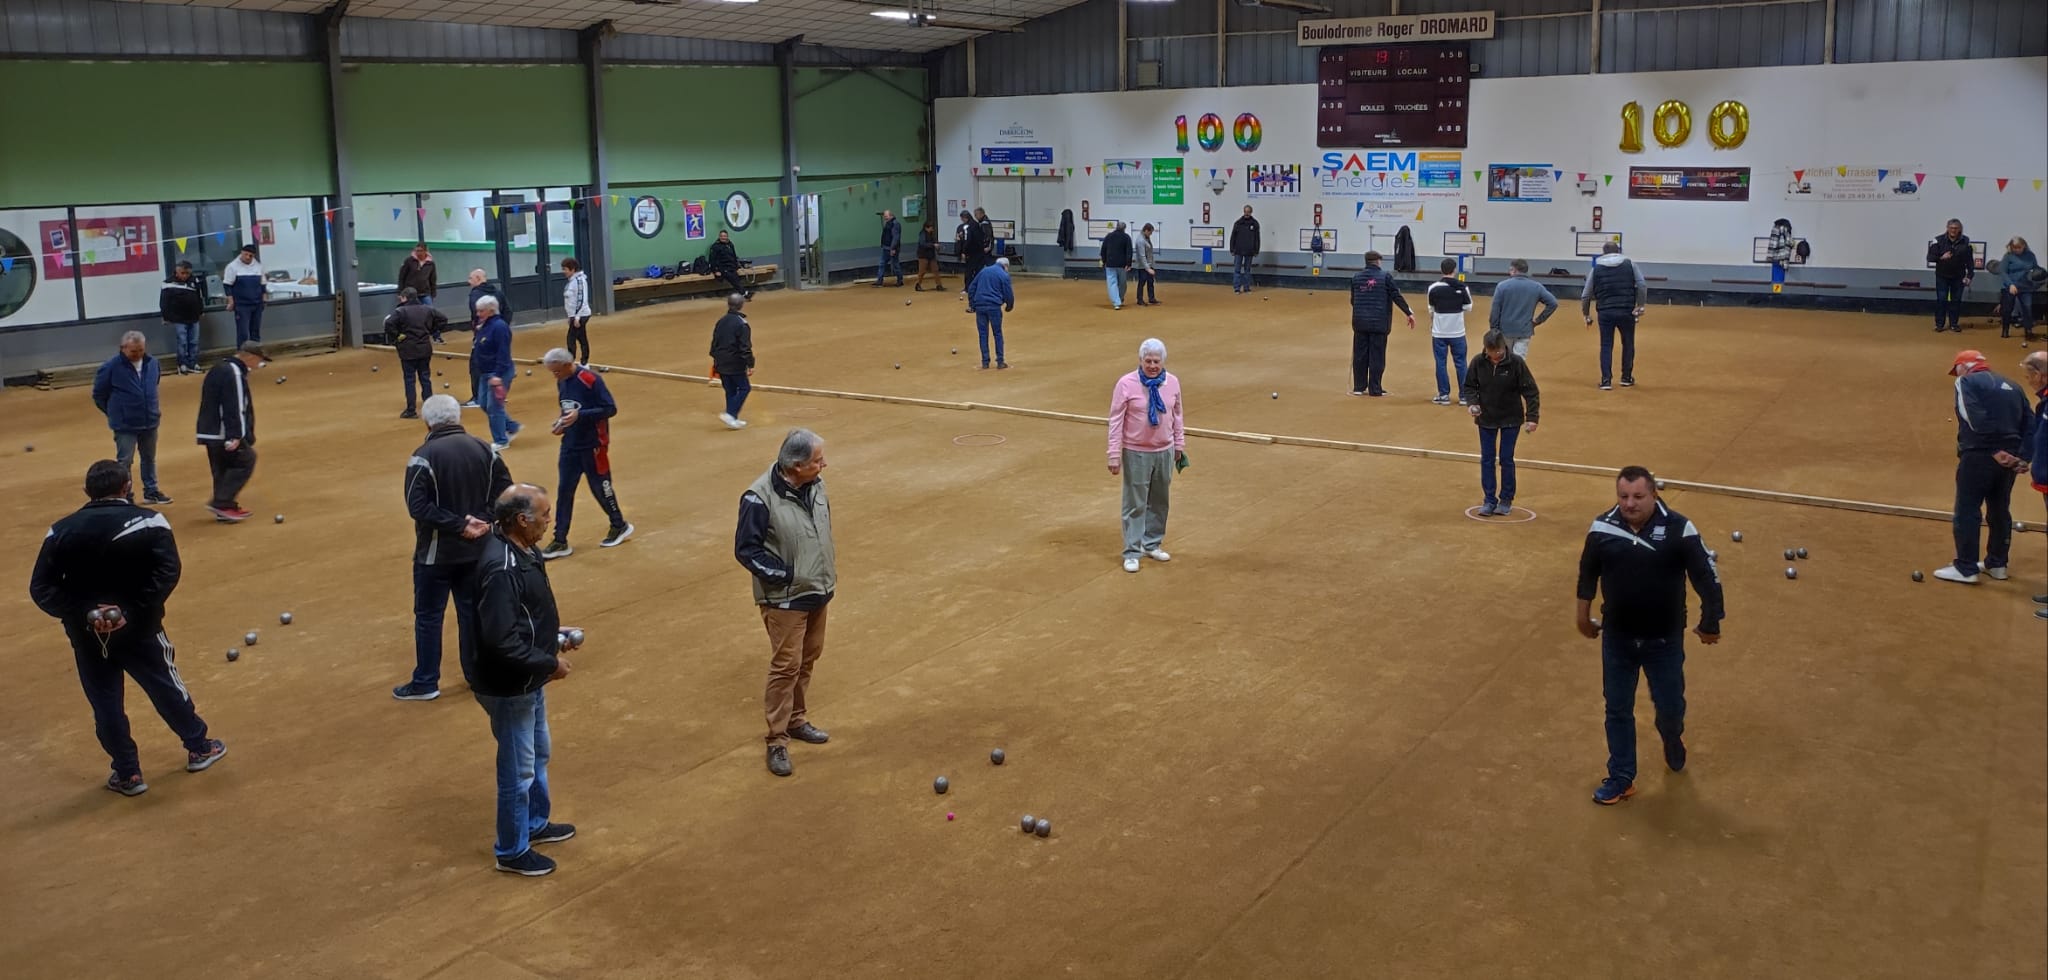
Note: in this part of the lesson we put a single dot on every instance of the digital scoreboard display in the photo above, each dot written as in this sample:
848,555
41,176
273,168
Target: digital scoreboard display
1393,95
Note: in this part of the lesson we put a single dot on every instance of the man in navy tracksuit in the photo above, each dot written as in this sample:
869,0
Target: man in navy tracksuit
227,428
1993,426
125,391
1373,298
490,349
586,431
244,283
1638,557
112,555
1616,288
451,482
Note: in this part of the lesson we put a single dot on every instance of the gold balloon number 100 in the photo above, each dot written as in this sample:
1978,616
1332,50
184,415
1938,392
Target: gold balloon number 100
1727,125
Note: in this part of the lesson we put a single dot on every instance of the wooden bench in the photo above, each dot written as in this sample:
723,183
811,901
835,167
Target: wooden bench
643,290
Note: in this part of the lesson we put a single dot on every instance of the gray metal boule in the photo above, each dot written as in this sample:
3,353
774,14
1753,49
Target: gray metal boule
1042,828
1028,823
940,785
234,655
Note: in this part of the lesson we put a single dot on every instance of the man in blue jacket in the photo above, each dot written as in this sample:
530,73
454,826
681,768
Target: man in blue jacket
989,298
892,248
125,391
491,352
1373,298
1512,311
1992,426
586,431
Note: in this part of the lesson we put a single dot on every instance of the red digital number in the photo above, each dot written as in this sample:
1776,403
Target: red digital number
1380,56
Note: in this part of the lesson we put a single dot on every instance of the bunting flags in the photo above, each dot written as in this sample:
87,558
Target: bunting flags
2037,184
447,213
494,210
2001,184
395,213
181,243
1478,175
1920,180
423,213
1880,174
1959,180
295,224
1558,175
472,212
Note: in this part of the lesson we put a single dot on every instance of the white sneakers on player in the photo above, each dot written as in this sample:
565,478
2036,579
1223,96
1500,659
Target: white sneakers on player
1948,573
730,422
1998,574
1130,564
1158,554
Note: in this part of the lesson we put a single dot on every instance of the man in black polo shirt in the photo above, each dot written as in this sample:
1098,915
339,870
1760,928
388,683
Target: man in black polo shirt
1638,556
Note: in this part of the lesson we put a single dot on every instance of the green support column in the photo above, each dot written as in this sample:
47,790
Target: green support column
785,64
341,231
593,40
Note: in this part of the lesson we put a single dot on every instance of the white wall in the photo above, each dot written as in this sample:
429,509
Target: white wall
1980,118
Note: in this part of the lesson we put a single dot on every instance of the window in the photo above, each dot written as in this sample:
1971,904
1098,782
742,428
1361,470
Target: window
120,258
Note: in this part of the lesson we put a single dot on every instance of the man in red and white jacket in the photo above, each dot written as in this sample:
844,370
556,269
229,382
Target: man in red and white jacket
585,427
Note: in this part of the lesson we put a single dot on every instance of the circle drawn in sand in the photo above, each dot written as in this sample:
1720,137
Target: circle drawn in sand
980,439
1515,515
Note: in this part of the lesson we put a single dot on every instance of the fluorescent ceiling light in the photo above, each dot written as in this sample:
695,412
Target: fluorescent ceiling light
890,14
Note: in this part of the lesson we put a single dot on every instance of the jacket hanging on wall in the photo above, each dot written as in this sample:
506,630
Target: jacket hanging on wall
1066,239
1404,250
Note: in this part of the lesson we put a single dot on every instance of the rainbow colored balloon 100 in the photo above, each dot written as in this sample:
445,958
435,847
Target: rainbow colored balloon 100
1246,132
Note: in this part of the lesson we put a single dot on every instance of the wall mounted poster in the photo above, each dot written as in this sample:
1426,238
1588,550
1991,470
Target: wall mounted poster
1272,180
1127,182
1856,183
1688,183
1525,183
1167,182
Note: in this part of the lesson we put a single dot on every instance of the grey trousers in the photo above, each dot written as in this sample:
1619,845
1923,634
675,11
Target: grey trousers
1147,475
1520,345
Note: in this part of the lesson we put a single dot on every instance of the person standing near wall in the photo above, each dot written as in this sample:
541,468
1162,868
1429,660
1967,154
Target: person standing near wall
1501,394
451,481
2016,271
784,541
1147,441
413,329
418,274
227,428
1373,298
1513,309
244,285
1449,300
1244,247
106,572
989,245
892,248
492,353
1148,271
182,302
576,306
1992,429
1116,263
732,356
125,390
1618,289
1955,261
928,257
990,299
586,430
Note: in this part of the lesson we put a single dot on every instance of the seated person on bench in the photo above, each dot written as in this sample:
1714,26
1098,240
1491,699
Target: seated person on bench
725,264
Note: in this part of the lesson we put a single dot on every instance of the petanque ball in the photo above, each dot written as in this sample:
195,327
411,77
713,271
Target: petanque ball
234,655
956,350
284,618
1712,554
1737,536
1802,554
529,372
1042,828
995,756
444,386
280,379
278,519
1276,394
1791,573
940,785
604,369
906,302
899,367
1028,823
1660,484
29,448
1918,577
249,639
439,373
1790,554
373,369
92,616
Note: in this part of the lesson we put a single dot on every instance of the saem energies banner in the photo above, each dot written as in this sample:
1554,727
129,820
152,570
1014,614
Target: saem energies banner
1390,175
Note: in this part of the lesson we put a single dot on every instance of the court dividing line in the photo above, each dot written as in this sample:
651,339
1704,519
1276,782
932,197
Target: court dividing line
1269,439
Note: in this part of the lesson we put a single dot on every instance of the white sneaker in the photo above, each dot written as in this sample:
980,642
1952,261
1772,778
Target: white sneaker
727,419
470,404
1998,574
1948,573
739,423
1130,564
715,383
1158,554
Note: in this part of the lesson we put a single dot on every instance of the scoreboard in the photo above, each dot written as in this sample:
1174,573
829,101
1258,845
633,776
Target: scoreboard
1393,95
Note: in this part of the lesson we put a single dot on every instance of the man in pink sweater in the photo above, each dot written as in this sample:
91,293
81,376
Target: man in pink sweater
1146,444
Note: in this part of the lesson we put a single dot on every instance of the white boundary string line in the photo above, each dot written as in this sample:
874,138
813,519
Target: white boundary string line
1264,439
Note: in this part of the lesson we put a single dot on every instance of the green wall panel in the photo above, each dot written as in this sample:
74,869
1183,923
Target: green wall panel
761,239
854,123
136,132
691,124
457,127
853,219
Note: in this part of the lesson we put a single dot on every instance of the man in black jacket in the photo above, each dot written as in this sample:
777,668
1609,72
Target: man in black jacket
1638,557
451,481
1373,298
1616,287
182,302
1954,260
1993,428
1501,394
1244,246
518,649
732,356
417,273
1117,255
892,247
227,428
414,328
725,264
972,240
105,572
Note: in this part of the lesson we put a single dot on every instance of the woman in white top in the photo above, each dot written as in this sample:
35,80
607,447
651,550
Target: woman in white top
576,305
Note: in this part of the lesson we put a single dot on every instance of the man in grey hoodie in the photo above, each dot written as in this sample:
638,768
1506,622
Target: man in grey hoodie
1616,286
1513,310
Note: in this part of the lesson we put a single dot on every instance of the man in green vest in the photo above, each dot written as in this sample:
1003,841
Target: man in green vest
785,541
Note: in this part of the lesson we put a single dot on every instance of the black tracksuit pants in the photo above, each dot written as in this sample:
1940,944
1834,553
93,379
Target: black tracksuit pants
576,466
147,657
231,472
1368,361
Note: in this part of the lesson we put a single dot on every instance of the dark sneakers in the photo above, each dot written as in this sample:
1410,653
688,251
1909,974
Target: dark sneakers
410,691
778,760
553,833
201,761
1674,754
531,864
156,498
132,786
617,536
557,548
1613,791
810,733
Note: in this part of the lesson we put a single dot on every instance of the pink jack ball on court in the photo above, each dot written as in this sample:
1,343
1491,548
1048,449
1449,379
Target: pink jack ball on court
949,814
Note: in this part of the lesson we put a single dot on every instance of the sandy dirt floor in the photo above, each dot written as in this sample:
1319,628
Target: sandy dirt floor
1346,732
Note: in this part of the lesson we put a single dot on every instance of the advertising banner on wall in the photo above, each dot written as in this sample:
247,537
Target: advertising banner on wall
1168,185
1017,144
1126,181
1854,183
1688,183
1437,172
1390,175
1461,26
693,220
1273,180
1521,183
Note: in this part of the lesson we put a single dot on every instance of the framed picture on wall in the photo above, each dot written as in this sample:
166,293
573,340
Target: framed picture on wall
266,231
646,217
739,211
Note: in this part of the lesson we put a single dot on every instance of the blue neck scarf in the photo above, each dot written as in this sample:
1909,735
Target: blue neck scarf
1155,406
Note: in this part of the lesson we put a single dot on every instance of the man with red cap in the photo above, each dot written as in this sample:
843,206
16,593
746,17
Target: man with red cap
1992,424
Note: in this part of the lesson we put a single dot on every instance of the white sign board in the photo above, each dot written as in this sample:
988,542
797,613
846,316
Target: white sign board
1464,243
1466,26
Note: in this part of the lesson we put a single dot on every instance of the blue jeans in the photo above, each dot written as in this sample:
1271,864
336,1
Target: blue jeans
125,446
503,426
736,388
1241,272
984,323
520,724
248,322
1662,660
1624,325
1117,282
188,345
431,587
1505,440
1455,347
1948,302
890,260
